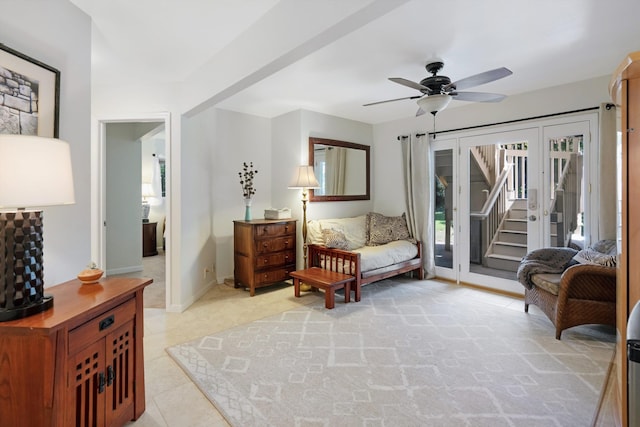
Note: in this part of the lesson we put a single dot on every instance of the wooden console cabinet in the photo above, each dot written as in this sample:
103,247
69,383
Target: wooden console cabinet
79,363
264,252
625,92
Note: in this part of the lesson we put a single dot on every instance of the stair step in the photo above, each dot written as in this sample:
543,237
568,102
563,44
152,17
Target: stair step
519,204
503,262
514,224
509,249
513,236
517,214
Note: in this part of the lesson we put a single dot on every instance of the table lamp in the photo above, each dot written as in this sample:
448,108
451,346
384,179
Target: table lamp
147,192
305,179
34,172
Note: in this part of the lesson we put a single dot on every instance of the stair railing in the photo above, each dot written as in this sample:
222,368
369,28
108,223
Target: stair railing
485,223
564,206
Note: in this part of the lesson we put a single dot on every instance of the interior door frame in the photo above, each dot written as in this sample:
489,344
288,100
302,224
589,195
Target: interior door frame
98,189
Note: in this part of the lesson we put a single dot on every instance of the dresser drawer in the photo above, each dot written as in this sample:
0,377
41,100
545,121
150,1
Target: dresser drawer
265,246
101,325
275,259
271,276
270,230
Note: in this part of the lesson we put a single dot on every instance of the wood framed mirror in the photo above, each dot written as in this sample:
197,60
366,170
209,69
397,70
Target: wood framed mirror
342,169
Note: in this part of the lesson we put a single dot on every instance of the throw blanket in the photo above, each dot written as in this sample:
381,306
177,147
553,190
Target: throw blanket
546,260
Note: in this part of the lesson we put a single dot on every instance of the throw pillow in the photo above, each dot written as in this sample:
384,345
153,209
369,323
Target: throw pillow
384,229
606,246
335,239
589,256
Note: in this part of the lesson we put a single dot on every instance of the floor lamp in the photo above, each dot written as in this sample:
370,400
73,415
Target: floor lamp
34,172
304,179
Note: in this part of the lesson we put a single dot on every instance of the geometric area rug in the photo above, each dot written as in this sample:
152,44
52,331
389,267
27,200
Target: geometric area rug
410,353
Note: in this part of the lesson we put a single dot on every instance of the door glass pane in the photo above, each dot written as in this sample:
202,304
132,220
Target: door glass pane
497,208
444,229
565,183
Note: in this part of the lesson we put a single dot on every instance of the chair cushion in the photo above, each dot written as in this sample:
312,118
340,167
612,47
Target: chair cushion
548,281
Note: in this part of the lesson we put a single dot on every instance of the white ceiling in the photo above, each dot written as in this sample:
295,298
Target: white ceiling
332,56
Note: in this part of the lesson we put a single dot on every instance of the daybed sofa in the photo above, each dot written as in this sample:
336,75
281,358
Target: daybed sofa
369,247
572,287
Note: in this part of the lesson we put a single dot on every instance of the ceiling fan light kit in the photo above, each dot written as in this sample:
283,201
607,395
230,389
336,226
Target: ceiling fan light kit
434,103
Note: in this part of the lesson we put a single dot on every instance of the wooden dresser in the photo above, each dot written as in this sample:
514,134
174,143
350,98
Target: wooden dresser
264,252
149,241
79,363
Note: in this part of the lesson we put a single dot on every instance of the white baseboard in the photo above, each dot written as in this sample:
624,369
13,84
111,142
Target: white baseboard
124,270
179,308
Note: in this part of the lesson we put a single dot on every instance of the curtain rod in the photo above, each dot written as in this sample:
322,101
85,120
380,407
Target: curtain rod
608,106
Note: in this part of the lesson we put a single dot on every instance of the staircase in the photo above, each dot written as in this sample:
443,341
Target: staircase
510,242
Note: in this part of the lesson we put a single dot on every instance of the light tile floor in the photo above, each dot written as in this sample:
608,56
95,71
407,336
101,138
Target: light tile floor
172,399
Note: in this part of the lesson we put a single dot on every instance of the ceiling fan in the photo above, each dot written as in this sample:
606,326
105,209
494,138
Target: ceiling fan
438,90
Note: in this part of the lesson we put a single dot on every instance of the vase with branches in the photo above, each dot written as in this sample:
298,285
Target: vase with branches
248,190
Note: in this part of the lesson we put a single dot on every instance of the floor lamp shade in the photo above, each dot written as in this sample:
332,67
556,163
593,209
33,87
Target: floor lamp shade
34,172
304,178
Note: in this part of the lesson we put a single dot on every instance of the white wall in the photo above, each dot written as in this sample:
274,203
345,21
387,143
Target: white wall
238,138
58,34
290,137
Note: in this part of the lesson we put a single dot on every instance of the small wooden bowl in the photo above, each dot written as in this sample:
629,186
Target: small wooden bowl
90,276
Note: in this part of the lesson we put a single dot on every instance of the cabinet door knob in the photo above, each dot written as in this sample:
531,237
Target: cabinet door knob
110,375
101,382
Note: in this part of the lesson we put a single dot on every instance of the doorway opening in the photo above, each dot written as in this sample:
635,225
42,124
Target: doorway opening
132,210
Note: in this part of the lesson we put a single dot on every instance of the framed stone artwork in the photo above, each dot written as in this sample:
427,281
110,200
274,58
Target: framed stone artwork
29,95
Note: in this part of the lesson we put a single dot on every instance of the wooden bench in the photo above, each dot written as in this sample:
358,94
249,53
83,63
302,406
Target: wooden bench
326,280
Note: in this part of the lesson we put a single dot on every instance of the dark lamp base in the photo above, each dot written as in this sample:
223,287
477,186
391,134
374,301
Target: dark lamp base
20,312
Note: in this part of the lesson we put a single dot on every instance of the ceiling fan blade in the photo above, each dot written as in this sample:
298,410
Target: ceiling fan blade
420,112
410,84
479,79
392,100
477,96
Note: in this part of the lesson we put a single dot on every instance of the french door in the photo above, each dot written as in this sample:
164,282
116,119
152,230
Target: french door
502,194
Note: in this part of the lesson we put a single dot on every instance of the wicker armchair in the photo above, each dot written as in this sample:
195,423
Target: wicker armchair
581,294
586,294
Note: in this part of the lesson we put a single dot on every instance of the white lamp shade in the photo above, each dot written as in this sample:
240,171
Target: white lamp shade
304,178
434,103
35,172
147,190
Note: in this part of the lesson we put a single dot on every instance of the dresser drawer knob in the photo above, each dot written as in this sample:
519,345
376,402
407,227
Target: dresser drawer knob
265,260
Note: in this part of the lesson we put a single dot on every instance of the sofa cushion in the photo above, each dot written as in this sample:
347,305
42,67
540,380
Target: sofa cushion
354,230
590,256
383,229
548,281
374,257
335,239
